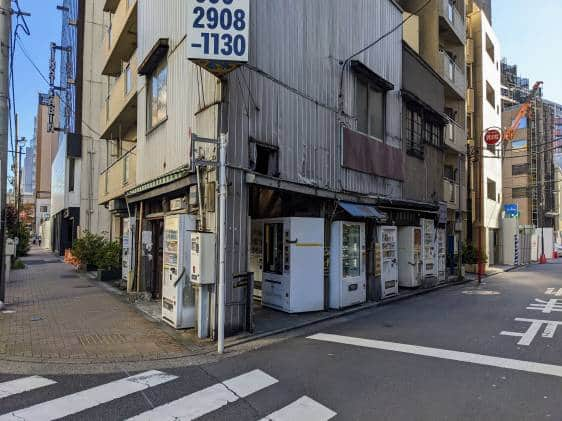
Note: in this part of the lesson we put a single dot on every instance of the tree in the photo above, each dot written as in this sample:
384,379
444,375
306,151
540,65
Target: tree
15,230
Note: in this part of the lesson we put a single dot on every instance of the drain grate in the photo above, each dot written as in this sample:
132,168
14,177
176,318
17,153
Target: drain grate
82,286
113,339
69,276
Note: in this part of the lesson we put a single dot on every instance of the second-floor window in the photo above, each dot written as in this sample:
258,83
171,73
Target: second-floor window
370,106
158,95
491,190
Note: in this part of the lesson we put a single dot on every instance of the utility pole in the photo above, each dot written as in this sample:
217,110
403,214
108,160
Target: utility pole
5,33
20,173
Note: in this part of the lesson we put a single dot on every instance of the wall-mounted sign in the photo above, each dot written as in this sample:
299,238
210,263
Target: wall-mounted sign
511,210
493,136
52,76
218,34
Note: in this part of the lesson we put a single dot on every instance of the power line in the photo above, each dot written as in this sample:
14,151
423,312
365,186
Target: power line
28,56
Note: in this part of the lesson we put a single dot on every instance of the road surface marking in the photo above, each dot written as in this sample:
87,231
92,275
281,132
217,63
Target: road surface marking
210,399
528,366
303,409
528,336
22,385
86,399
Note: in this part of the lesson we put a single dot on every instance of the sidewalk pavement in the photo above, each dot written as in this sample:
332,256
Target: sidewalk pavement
54,314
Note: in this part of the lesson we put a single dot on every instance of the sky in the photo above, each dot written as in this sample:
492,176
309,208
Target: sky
528,36
529,33
45,26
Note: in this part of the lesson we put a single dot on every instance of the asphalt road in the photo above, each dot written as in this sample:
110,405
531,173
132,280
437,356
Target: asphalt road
440,356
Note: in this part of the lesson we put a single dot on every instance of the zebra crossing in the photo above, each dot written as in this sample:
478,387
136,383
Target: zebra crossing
189,407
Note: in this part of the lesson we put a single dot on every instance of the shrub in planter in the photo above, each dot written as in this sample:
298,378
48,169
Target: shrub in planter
87,249
470,257
109,261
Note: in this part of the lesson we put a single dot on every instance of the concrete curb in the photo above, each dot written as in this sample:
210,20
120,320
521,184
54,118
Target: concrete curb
339,314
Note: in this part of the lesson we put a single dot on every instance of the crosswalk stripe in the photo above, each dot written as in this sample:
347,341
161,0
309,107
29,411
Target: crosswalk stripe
303,409
210,399
22,385
86,399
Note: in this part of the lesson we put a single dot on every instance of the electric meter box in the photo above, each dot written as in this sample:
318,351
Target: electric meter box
203,260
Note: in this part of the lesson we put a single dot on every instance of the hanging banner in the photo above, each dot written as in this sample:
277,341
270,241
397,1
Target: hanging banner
218,34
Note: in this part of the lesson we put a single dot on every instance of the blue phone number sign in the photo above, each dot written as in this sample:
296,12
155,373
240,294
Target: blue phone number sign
219,30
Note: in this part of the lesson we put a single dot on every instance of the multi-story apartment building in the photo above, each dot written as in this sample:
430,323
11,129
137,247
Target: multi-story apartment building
47,144
81,155
28,180
484,112
437,33
118,118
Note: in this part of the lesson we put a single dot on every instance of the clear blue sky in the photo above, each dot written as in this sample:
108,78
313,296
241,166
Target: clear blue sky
45,26
529,34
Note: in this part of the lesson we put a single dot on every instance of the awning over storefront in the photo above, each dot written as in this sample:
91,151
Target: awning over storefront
362,211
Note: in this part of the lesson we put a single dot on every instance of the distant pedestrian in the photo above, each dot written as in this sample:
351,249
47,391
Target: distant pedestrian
39,240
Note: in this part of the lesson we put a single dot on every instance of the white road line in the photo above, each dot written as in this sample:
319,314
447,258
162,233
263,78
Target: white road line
519,365
303,409
210,399
86,399
22,385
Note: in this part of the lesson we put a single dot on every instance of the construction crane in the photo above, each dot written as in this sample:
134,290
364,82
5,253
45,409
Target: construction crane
509,134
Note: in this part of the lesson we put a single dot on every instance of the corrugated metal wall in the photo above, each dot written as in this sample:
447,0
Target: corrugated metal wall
287,97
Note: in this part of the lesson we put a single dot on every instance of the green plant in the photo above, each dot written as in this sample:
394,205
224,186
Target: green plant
470,255
88,247
18,265
109,257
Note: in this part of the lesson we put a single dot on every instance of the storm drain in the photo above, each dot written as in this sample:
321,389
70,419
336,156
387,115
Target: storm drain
69,276
82,286
114,339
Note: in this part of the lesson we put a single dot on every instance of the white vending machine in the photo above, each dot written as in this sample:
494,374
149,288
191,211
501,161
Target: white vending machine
388,240
203,277
410,256
255,253
178,297
429,255
293,264
441,255
348,279
128,238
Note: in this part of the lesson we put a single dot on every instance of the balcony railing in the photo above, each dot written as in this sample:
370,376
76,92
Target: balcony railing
119,177
453,74
120,105
454,19
120,39
455,137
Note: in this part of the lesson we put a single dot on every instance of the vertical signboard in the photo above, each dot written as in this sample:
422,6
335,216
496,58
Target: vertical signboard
52,76
218,34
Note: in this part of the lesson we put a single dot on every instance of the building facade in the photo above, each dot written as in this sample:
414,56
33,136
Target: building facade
47,145
484,112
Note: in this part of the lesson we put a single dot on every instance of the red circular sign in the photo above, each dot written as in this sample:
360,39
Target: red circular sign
493,136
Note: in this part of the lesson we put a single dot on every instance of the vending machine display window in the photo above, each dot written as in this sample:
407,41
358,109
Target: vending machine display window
351,250
273,248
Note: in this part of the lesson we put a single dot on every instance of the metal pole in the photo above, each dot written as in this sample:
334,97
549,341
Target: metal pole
5,32
459,245
20,173
222,241
480,205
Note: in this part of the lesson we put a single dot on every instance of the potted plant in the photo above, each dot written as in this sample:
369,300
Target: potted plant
470,258
109,261
86,250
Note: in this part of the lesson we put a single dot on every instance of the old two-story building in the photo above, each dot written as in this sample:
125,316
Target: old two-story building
324,159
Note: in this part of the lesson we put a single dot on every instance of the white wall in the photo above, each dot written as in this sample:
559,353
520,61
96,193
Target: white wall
58,180
489,71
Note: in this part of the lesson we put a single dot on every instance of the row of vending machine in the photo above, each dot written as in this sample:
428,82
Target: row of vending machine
287,258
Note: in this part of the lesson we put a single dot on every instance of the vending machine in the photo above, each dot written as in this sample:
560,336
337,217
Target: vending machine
347,265
203,277
178,297
128,238
388,240
410,256
441,255
255,253
429,267
292,265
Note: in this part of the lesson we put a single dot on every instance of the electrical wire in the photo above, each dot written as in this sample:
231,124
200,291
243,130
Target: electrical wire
41,74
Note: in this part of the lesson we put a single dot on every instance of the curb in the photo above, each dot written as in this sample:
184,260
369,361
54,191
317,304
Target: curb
343,313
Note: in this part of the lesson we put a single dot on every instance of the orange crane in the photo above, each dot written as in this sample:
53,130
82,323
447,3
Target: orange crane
509,134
